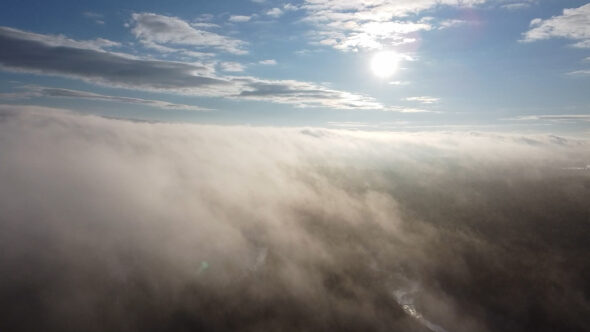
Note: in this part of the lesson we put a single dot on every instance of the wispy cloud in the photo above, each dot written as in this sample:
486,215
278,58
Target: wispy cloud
96,17
155,30
39,91
98,44
424,99
554,117
573,24
269,62
581,72
239,18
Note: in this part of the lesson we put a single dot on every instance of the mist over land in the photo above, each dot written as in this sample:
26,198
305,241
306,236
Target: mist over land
113,225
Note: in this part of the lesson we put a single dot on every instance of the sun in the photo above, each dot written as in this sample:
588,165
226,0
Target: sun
385,63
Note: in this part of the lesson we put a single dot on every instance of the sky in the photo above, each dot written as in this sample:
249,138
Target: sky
387,65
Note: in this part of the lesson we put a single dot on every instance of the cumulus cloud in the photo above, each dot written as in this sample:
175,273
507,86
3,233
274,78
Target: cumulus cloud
39,91
155,30
574,24
117,225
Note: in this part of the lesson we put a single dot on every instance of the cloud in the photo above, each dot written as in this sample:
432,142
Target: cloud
275,12
574,24
232,66
239,18
19,52
306,94
451,23
119,225
24,51
98,44
290,7
155,30
96,17
374,24
39,91
268,62
424,99
555,117
516,6
581,72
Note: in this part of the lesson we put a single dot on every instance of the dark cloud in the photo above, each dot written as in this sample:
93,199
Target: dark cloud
31,91
115,225
101,67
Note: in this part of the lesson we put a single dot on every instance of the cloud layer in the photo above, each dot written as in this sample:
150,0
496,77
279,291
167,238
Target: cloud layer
117,225
36,53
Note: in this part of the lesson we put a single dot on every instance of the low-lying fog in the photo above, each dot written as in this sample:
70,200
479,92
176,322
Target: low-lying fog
113,225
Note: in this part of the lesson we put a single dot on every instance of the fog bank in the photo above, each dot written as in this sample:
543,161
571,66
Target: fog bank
113,225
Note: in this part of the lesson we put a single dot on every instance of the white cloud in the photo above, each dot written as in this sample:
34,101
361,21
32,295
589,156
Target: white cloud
554,117
275,12
239,18
155,31
290,7
371,24
582,72
232,66
451,23
424,99
205,25
574,24
269,62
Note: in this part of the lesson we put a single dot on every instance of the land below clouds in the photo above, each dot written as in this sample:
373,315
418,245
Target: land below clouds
112,225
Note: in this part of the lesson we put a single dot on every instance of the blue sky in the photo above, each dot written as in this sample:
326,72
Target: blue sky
504,64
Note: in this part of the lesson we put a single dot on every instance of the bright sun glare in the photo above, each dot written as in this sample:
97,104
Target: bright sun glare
385,64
